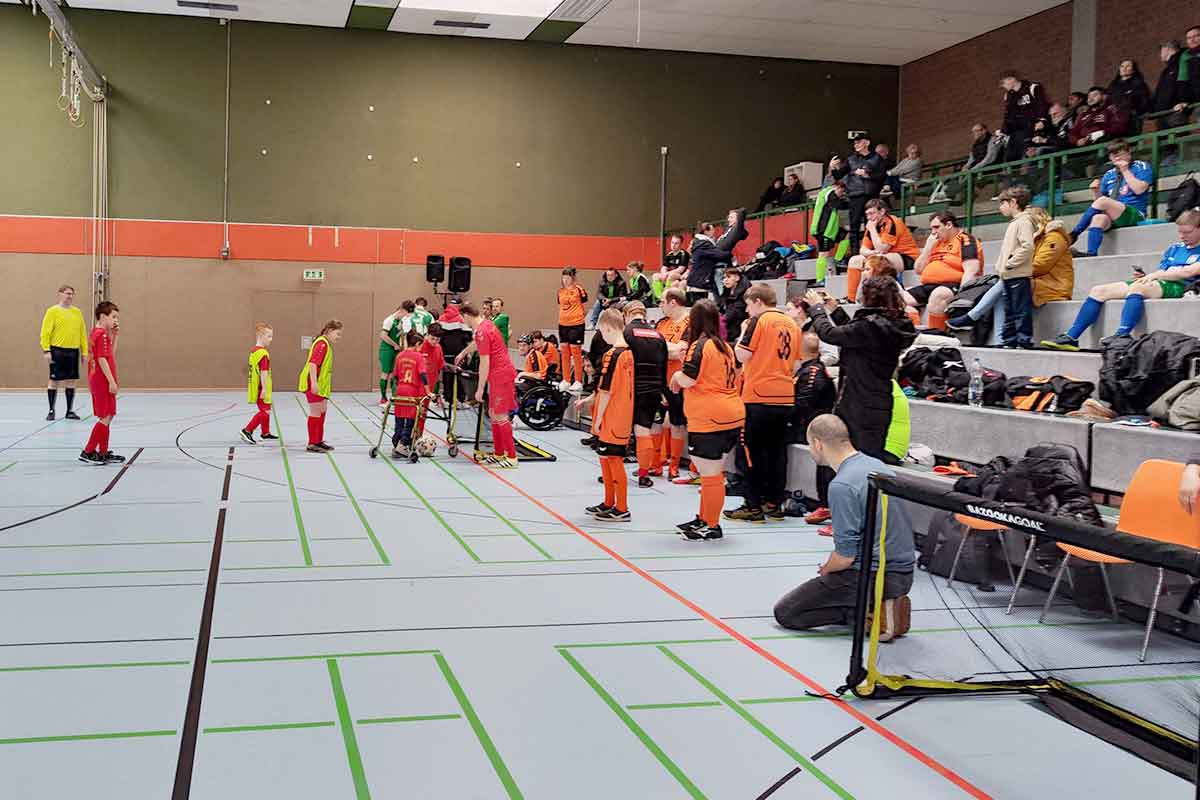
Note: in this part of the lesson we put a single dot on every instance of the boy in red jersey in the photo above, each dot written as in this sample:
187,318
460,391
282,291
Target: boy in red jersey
258,387
102,383
411,383
435,359
498,375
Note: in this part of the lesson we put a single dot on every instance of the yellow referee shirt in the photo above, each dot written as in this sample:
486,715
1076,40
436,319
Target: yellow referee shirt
63,327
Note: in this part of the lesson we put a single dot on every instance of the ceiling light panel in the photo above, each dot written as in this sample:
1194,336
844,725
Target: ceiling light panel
507,8
329,13
499,26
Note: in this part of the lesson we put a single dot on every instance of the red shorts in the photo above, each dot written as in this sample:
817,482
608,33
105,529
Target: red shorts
104,403
502,394
314,398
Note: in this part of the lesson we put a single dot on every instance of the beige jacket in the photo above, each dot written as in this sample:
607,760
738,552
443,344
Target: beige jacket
1016,255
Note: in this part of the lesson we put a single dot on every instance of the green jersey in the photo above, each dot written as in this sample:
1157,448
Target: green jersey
501,323
419,321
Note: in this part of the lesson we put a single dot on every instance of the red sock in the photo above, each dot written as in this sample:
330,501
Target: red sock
102,444
712,498
264,412
94,439
321,426
502,438
313,430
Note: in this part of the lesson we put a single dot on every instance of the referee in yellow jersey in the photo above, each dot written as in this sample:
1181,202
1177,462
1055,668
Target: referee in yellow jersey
64,340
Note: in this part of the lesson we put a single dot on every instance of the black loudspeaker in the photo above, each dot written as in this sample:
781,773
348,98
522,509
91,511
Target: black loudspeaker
435,269
460,274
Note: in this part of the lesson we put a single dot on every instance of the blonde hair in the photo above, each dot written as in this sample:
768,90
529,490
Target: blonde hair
259,327
1039,216
611,318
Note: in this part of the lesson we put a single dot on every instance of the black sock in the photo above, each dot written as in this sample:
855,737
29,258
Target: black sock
70,393
52,395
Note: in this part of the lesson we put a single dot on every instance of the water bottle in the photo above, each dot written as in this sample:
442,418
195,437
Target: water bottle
975,387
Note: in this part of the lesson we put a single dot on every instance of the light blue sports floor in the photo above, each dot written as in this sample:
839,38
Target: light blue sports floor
435,630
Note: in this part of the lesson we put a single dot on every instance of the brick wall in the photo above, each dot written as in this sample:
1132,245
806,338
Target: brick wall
944,93
1135,29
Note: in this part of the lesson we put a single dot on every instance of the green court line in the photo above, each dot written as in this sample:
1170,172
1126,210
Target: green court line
1118,681
340,539
361,792
287,468
507,522
84,737
425,502
323,656
97,666
506,778
426,718
755,723
7,467
655,706
642,736
755,701
383,556
282,726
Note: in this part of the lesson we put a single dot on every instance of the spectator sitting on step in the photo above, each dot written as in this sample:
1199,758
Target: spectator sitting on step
907,171
1024,103
1053,276
831,597
770,198
1098,121
674,266
1122,196
986,148
1177,272
886,236
950,259
1129,92
637,285
884,152
793,192
611,292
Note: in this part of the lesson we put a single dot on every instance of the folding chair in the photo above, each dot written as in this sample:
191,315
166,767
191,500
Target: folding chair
975,525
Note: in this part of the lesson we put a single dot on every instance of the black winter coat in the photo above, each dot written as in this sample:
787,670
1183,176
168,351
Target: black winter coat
871,345
1170,92
732,303
708,254
857,185
1024,105
1135,372
815,395
1131,96
1050,479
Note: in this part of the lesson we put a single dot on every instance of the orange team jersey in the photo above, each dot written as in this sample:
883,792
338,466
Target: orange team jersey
946,259
570,305
774,340
535,363
551,354
896,235
614,423
673,332
712,403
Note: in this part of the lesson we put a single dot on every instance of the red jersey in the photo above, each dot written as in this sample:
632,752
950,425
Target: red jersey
100,343
411,380
489,342
319,351
435,361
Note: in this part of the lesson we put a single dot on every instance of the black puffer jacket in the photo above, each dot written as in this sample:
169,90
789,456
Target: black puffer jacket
1049,479
871,345
707,254
1135,372
732,303
857,185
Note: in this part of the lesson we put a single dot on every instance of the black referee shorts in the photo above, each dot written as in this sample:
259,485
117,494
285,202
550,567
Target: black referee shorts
64,364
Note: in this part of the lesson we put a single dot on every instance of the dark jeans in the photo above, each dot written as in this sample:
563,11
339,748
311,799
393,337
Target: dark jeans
404,432
825,476
858,218
766,444
1018,312
830,599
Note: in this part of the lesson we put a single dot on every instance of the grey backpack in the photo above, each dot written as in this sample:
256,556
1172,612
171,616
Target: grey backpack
1179,406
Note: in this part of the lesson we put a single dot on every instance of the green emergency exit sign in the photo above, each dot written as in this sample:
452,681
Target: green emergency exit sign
315,275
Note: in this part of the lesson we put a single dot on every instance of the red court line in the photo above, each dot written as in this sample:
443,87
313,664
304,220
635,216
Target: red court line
863,719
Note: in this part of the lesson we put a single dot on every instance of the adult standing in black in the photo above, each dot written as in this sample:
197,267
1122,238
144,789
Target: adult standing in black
1129,92
863,172
1024,104
649,350
709,250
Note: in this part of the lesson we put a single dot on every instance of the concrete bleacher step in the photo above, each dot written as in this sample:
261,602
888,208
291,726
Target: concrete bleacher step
1181,316
1085,366
1140,239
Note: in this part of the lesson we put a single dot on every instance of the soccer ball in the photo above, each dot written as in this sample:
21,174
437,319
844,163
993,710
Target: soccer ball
426,446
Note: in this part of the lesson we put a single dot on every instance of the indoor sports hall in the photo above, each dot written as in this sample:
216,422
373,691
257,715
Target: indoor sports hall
232,569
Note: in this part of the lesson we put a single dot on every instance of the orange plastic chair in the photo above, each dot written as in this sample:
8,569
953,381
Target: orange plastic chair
1151,510
976,525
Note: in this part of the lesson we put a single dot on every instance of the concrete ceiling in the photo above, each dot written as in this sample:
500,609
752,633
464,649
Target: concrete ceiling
877,32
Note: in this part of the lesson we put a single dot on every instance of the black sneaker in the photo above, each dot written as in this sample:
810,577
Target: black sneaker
745,514
590,441
268,436
599,508
112,458
314,448
325,447
703,532
1109,341
91,459
1061,342
247,436
963,323
612,515
644,482
774,513
693,525
71,415
50,417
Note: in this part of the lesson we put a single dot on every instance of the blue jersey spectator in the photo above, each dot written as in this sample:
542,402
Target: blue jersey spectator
1121,198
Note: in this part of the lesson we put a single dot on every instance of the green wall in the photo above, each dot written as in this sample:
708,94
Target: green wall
586,123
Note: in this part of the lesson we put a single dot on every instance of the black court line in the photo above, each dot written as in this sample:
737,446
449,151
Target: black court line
191,721
98,641
774,787
843,739
514,626
76,504
102,586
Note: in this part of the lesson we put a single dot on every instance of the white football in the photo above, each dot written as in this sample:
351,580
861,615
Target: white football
426,446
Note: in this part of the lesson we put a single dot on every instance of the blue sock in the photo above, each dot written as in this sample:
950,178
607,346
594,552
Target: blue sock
1087,316
1085,220
1094,235
1131,314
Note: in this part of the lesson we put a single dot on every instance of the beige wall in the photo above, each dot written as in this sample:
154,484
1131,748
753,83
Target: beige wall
189,322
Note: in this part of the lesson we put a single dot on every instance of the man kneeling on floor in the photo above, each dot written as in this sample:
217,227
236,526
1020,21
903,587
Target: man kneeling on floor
829,598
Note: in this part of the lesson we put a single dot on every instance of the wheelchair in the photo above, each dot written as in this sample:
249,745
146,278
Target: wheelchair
541,405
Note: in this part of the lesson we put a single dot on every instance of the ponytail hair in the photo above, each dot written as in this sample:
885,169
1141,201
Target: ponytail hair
332,325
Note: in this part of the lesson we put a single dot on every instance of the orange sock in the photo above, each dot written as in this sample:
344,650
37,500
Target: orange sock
937,321
645,455
655,454
564,361
610,485
853,278
620,480
664,452
914,317
676,452
712,498
577,360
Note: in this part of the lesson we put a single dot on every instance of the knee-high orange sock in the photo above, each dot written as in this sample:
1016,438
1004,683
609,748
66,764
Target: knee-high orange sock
664,452
577,360
645,455
655,454
712,498
853,278
676,452
937,321
610,485
564,361
914,317
620,484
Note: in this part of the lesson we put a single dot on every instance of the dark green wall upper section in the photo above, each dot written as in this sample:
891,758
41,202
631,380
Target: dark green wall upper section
586,123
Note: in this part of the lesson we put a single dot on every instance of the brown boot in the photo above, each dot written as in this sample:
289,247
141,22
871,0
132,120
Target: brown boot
897,618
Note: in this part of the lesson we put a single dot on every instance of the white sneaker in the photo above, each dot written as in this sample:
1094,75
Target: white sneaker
563,386
576,387
939,197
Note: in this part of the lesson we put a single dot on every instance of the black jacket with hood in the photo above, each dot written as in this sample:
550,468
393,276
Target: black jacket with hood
1023,106
1131,96
857,185
732,303
707,253
1171,91
871,345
